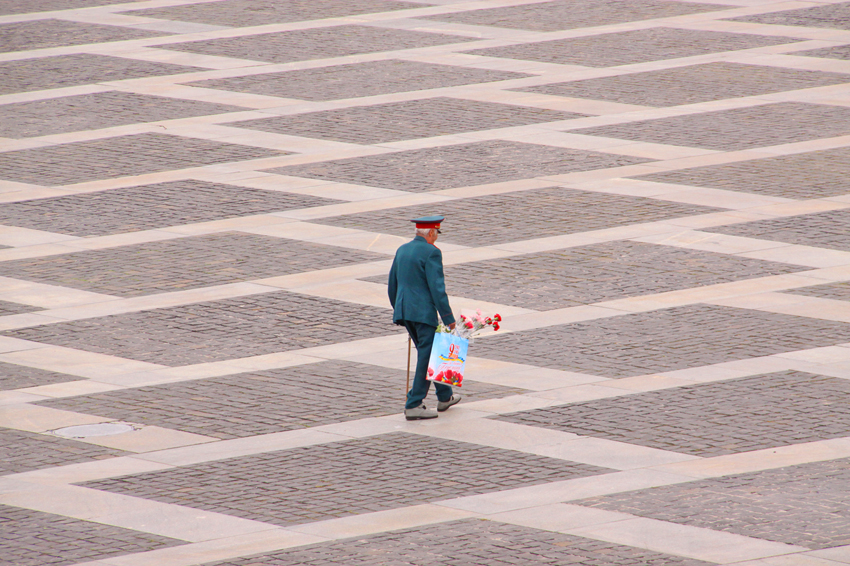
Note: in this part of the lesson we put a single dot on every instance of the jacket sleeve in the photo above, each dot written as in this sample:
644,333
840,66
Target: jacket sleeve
437,285
392,284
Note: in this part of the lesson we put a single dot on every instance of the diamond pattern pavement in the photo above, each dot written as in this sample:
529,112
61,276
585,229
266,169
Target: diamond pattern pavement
44,34
26,451
823,230
18,377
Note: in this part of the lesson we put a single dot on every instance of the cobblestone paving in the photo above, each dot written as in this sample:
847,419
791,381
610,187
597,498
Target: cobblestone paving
693,84
119,157
829,16
219,330
835,291
343,478
625,48
26,451
824,230
42,34
571,14
521,215
713,419
8,307
8,7
737,129
263,402
805,505
183,263
243,13
358,80
146,207
316,43
405,120
839,52
78,69
95,111
437,168
33,538
13,376
816,174
663,340
472,542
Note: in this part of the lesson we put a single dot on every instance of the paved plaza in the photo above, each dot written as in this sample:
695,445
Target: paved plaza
199,204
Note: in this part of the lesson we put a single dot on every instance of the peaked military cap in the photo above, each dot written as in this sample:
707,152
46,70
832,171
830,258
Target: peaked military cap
429,221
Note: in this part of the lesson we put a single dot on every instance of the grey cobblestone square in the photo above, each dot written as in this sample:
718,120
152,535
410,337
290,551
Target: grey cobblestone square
571,14
42,34
405,120
663,340
823,230
344,478
713,419
146,207
26,451
807,505
263,402
123,156
446,167
693,84
358,80
835,291
8,307
738,128
471,542
625,48
33,538
13,376
815,174
219,330
183,263
8,7
839,52
315,43
827,16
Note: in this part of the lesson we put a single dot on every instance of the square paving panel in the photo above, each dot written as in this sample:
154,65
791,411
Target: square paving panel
625,48
79,69
840,52
690,85
8,307
183,263
346,478
520,215
358,79
245,13
806,505
816,174
405,120
315,43
96,111
43,34
738,128
828,16
470,542
13,376
835,291
213,331
26,451
122,156
263,402
8,7
713,419
663,340
571,14
450,166
33,538
146,207
822,230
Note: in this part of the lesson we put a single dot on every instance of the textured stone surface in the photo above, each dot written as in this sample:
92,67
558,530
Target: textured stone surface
459,165
219,330
737,129
33,538
405,120
25,451
263,402
663,340
315,43
693,84
8,307
835,291
8,7
837,52
472,542
358,80
624,48
828,16
119,157
183,263
713,419
43,34
343,478
13,376
824,230
807,505
149,206
815,174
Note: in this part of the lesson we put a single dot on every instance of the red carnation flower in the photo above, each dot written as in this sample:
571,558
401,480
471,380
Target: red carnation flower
497,318
496,326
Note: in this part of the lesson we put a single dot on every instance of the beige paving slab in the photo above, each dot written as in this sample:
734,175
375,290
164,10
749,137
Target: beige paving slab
790,560
91,471
706,241
358,292
509,404
26,320
825,355
16,236
797,305
34,418
839,554
70,388
356,271
149,439
556,317
76,362
802,255
8,345
524,376
719,198
16,397
47,296
731,370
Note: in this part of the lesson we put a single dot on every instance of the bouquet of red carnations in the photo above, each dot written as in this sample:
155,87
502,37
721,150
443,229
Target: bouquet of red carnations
448,354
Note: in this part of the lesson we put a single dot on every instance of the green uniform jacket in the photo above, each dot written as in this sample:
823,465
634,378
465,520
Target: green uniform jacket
417,288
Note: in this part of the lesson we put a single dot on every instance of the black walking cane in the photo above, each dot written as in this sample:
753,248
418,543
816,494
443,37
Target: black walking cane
408,367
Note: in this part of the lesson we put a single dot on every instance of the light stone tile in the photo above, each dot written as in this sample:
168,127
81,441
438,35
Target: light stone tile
797,208
790,560
719,198
76,362
357,292
731,370
70,388
706,241
560,517
839,554
717,219
26,320
149,439
812,307
91,471
34,418
15,236
556,317
802,255
47,296
357,271
523,376
579,393
8,345
459,256
370,242
16,397
645,383
111,241
366,345
510,404
825,355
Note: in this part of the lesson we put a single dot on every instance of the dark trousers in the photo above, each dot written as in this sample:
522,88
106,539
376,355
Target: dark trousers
423,338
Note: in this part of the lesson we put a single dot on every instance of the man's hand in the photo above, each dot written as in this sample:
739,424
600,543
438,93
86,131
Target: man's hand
452,326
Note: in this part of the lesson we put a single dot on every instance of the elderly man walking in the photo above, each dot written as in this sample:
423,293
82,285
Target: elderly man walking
417,291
